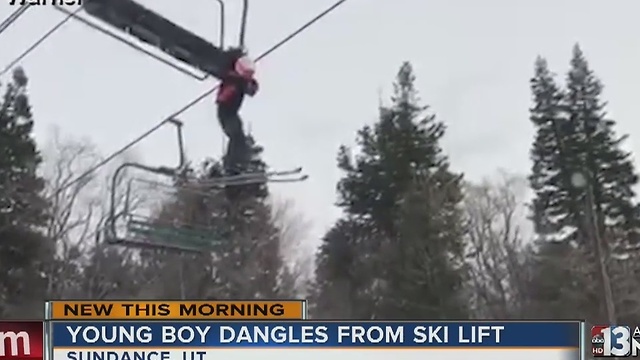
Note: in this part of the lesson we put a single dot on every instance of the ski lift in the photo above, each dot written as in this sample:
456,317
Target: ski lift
141,231
127,227
13,17
202,58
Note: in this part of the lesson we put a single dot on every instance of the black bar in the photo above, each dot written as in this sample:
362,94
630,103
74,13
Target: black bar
153,29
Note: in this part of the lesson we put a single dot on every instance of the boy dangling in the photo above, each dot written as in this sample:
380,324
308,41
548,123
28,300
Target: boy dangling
236,82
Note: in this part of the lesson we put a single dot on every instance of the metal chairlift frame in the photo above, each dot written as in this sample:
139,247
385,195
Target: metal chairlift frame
110,232
193,239
147,234
199,75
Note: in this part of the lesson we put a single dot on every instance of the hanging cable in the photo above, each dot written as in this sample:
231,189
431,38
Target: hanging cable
40,41
13,17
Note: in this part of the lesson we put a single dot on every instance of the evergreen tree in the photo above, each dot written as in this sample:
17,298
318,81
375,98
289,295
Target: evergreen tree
574,137
401,147
562,283
245,261
610,199
608,169
341,288
558,207
383,259
555,203
582,182
251,264
24,252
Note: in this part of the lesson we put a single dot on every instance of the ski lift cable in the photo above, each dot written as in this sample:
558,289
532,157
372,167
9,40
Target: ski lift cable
189,105
39,42
13,17
75,15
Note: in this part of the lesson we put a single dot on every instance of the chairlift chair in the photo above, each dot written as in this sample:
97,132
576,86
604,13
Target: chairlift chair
141,231
123,226
150,28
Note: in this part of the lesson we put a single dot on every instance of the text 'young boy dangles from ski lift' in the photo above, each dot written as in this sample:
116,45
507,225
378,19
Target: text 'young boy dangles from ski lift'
237,82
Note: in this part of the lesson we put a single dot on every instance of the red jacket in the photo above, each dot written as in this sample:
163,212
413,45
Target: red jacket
234,87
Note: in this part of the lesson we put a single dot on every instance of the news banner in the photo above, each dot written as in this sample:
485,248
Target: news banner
280,330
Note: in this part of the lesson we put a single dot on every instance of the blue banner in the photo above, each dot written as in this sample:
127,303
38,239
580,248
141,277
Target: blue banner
200,334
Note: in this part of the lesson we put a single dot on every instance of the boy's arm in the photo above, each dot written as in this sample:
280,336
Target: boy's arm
252,87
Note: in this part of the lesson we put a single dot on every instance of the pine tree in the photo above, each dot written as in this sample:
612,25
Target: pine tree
401,147
384,249
609,171
608,168
343,269
582,182
252,263
558,206
24,251
245,260
552,167
574,137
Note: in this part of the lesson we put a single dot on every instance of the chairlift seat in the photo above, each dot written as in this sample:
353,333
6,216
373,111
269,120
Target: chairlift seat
181,237
151,28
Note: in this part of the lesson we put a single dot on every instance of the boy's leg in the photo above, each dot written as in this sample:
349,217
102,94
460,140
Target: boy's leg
229,121
236,158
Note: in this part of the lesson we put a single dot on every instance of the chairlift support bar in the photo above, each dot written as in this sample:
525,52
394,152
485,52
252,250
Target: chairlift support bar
243,23
198,76
223,26
149,27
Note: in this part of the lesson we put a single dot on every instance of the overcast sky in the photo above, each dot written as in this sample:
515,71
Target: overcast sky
473,60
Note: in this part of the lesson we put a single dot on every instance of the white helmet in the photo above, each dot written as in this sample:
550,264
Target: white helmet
245,66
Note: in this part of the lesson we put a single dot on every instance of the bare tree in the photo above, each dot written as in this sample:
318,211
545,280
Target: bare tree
72,205
78,208
295,250
495,220
72,202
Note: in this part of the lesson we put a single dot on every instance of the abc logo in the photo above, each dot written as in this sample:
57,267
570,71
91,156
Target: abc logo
597,348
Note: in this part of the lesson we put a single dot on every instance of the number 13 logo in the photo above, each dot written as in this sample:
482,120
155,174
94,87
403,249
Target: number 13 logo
617,341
